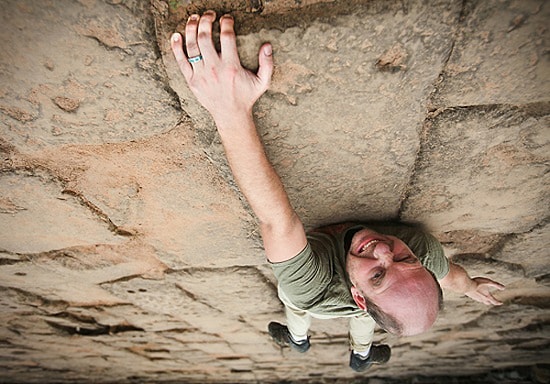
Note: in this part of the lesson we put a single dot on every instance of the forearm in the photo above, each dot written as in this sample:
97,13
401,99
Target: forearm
458,280
282,231
253,172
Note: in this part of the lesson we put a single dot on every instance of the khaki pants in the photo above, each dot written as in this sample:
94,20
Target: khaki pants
361,327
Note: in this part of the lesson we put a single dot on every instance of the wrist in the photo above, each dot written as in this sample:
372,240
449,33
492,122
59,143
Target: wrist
233,120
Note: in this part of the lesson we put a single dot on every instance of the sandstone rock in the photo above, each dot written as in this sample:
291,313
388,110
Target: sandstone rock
78,69
66,104
506,150
530,250
45,219
186,295
494,33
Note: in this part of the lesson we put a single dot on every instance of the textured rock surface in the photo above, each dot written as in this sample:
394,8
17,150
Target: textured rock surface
128,255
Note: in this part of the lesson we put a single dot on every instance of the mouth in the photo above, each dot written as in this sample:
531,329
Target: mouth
368,244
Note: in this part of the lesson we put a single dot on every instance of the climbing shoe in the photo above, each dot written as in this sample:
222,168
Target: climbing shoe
379,354
282,337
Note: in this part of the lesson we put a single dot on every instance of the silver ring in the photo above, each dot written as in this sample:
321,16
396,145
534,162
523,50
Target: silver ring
195,59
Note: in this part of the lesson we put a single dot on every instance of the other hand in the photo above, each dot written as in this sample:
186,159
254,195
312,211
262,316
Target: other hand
482,291
218,80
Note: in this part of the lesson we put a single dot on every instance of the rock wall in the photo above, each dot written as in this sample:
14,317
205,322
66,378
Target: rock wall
128,254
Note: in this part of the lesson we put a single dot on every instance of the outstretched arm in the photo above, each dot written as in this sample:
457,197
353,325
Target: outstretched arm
228,92
477,288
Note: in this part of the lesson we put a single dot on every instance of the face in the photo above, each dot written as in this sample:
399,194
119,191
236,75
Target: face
385,270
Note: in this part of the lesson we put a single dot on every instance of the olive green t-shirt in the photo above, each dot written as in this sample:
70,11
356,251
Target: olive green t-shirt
316,279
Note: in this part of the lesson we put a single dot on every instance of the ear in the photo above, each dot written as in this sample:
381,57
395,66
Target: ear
358,298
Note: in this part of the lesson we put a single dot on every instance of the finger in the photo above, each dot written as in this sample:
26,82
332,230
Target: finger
204,37
265,59
177,49
191,36
488,283
494,301
491,284
498,286
488,299
228,40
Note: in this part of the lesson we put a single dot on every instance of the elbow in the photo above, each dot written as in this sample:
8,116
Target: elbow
282,225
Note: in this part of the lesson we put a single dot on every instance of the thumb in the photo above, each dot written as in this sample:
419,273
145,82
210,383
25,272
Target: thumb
265,59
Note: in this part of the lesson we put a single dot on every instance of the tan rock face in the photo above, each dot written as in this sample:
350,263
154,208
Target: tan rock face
127,254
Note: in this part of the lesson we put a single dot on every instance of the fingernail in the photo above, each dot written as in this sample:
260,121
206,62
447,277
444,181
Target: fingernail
194,17
268,50
176,37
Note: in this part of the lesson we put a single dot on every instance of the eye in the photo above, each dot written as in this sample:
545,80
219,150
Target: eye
409,259
377,277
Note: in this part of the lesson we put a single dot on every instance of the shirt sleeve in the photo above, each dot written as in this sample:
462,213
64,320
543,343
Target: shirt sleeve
304,278
430,252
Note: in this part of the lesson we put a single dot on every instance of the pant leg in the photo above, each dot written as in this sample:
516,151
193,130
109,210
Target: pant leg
361,332
298,321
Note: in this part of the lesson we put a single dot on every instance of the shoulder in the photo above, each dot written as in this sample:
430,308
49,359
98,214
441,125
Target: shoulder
305,277
431,254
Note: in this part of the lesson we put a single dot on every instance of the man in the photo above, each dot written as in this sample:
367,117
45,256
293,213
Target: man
386,273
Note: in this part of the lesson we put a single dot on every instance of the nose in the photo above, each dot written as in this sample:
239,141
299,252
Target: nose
383,253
